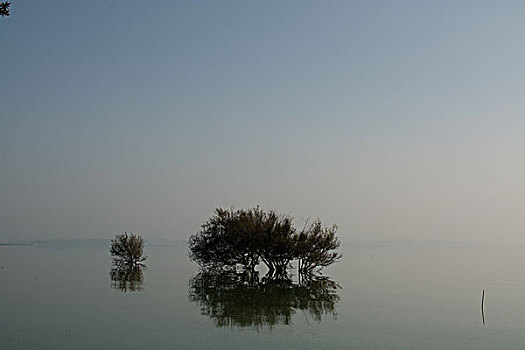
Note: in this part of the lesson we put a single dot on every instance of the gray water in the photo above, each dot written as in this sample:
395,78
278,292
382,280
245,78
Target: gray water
391,295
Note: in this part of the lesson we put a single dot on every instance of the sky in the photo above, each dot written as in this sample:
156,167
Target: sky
392,119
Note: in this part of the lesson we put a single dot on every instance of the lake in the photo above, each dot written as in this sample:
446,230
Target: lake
396,294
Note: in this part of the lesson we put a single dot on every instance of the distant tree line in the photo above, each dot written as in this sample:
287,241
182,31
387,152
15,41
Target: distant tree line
244,238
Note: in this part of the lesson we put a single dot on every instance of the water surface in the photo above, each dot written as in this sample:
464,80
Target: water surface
389,295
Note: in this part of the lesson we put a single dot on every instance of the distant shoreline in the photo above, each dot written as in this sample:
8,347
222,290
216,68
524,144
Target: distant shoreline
96,242
19,244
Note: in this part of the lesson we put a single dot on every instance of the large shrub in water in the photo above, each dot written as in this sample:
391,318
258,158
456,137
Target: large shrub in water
230,239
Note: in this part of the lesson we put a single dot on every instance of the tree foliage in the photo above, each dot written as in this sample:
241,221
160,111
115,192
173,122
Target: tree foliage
4,8
244,238
127,249
316,246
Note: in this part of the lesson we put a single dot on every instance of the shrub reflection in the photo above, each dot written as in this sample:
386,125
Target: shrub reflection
244,300
127,278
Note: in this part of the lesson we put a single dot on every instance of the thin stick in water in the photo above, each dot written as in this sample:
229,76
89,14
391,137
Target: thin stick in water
482,304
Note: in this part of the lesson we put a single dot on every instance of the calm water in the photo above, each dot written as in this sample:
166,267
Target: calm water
391,295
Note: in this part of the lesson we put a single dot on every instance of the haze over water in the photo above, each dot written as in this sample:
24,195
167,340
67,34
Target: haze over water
389,119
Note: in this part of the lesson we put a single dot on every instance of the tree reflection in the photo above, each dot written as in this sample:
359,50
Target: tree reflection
127,277
232,299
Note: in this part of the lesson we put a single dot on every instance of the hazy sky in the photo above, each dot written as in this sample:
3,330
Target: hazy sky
389,118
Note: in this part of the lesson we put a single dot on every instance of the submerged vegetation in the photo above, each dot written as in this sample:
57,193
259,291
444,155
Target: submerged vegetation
243,238
127,249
